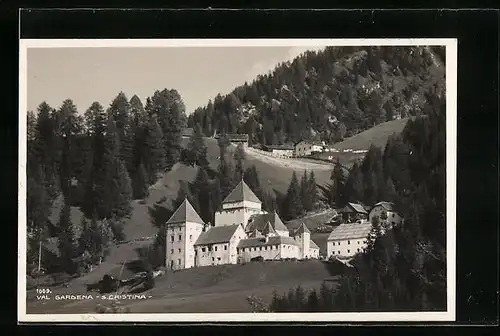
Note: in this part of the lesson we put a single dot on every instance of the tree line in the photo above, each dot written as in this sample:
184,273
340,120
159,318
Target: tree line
97,161
403,269
327,95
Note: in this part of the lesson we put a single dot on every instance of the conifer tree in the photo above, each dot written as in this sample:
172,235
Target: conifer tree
197,149
152,154
225,174
140,185
313,190
66,237
201,190
354,185
239,158
293,204
305,196
338,192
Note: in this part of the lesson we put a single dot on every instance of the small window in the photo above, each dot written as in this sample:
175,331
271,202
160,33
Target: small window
358,242
179,250
213,259
218,258
358,249
180,237
172,238
225,247
393,215
172,251
265,248
338,252
338,243
178,261
348,251
215,248
190,237
348,242
203,249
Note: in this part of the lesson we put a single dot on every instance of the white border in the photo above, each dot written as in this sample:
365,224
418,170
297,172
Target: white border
451,152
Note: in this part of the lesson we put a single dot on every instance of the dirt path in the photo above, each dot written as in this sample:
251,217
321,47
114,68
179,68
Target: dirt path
289,163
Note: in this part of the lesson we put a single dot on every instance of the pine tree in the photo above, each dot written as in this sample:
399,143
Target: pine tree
305,196
66,238
338,192
239,158
225,174
140,185
354,184
153,154
197,149
38,203
201,191
293,205
313,190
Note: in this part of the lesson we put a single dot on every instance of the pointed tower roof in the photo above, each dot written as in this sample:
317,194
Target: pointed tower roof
240,193
277,222
302,229
268,229
185,213
254,234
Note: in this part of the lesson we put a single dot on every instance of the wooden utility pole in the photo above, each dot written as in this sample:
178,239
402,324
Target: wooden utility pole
40,256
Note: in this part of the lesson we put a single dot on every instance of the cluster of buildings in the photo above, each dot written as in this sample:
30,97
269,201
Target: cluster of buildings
241,231
350,238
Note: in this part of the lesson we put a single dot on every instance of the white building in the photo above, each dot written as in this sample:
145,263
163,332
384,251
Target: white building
281,151
242,231
238,207
386,213
182,231
306,148
346,240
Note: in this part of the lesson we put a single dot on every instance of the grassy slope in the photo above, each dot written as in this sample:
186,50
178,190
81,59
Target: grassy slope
208,289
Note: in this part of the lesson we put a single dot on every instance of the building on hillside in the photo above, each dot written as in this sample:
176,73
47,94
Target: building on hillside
236,139
307,147
187,133
346,240
259,222
182,230
242,231
281,151
386,213
353,212
238,207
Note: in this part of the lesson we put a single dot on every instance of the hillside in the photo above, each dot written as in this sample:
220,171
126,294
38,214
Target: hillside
212,289
328,95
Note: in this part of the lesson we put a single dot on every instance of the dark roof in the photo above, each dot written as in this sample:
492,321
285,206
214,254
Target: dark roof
274,240
353,207
388,206
317,143
259,222
185,213
217,234
240,193
301,229
268,229
280,147
255,233
350,231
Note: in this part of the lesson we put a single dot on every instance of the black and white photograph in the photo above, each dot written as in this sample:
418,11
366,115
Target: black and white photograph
237,180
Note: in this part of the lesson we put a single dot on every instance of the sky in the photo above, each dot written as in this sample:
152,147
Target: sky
86,75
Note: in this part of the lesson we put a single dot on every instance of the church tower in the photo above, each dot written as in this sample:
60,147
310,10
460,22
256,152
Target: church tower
182,230
303,236
238,206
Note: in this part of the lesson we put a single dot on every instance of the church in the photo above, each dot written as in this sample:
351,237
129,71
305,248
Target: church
242,231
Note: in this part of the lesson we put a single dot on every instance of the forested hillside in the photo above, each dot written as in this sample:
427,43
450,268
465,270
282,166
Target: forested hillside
328,95
405,268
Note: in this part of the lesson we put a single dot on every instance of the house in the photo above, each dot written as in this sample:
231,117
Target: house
187,133
183,229
282,151
307,147
236,139
346,240
242,231
353,212
386,213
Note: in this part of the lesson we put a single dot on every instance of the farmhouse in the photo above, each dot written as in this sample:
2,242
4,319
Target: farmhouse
242,231
386,213
307,147
353,212
236,139
282,151
346,240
